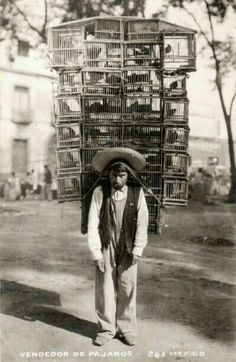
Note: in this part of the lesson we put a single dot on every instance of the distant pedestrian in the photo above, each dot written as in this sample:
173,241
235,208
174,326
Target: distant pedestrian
47,183
198,185
23,186
14,187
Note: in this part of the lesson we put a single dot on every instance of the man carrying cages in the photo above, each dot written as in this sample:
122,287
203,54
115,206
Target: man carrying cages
117,235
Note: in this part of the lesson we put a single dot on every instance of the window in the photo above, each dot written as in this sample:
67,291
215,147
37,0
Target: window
21,110
23,48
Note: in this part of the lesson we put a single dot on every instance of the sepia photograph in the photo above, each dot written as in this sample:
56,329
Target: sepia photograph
118,180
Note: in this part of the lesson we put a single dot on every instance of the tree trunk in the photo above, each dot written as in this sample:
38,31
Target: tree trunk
227,117
232,193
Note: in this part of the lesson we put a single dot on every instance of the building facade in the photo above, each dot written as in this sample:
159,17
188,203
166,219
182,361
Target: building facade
27,133
208,142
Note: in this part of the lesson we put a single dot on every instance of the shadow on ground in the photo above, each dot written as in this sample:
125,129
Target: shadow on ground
189,298
28,303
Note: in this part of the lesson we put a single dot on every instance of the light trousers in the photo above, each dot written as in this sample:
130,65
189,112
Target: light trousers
115,295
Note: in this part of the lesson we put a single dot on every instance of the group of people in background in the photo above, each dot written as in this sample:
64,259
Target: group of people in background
32,183
204,184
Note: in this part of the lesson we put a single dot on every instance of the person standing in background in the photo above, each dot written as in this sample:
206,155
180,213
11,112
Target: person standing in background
47,183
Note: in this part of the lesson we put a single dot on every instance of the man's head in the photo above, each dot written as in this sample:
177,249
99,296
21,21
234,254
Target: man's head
118,175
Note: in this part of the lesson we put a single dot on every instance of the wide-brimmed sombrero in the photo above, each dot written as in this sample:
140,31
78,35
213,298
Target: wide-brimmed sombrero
105,158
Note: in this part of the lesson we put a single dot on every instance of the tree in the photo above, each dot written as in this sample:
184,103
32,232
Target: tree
16,18
88,8
19,19
223,59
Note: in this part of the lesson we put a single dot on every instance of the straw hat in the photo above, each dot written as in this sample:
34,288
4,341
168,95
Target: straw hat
106,157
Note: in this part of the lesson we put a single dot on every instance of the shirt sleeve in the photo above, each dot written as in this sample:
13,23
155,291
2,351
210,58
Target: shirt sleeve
94,241
142,226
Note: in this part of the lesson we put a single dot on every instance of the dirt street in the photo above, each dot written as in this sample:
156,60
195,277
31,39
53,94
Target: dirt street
186,287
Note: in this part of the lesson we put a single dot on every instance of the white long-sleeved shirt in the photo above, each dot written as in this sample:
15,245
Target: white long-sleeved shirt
94,241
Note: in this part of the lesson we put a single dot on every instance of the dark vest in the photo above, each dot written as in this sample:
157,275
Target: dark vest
129,222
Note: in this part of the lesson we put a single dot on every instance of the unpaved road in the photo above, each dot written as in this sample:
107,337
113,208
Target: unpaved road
186,293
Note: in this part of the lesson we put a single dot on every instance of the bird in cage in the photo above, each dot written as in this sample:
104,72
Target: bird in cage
168,49
174,85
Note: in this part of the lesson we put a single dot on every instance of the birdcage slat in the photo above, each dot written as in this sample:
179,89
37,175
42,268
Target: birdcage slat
68,119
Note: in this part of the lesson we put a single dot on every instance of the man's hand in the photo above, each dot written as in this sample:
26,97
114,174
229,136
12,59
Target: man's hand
100,264
134,259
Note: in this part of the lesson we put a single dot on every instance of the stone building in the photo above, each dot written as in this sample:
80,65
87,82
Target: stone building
27,133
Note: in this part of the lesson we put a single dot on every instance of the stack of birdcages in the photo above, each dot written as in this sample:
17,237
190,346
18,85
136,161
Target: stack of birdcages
122,82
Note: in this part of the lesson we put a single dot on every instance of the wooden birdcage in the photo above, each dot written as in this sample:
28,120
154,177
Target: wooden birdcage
175,164
66,48
68,188
175,191
102,54
153,158
152,180
87,155
141,105
141,136
101,83
68,135
142,82
122,82
97,135
174,85
175,112
68,106
143,30
99,106
179,51
69,161
176,138
142,54
70,83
